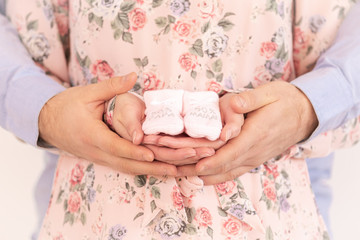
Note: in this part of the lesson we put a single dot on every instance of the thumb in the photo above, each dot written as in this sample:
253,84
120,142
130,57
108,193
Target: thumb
109,88
254,99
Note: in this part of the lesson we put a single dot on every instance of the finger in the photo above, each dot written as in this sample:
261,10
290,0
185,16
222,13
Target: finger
170,155
230,131
186,142
135,167
200,153
233,122
234,150
131,166
186,170
203,152
151,139
251,100
113,144
223,177
109,88
121,130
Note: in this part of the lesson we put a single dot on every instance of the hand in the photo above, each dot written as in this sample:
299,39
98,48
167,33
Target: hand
129,114
279,116
169,148
180,150
72,121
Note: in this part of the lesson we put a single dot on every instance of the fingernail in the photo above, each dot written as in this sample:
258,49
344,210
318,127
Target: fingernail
205,155
129,76
189,155
240,101
147,157
202,169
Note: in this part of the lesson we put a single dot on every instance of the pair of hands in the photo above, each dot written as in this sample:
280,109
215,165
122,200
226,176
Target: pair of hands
278,116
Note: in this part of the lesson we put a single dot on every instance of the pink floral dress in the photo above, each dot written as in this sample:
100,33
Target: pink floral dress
217,45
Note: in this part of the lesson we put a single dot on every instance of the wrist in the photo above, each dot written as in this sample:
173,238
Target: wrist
307,115
44,124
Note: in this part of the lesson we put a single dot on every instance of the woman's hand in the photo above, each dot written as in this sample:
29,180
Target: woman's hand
169,148
180,150
279,116
72,121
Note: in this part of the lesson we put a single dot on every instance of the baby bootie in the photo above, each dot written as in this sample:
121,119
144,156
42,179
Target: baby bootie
202,115
163,112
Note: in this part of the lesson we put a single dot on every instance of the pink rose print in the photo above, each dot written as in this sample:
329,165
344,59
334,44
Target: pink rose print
225,187
214,86
272,170
232,227
268,49
177,198
102,70
151,82
97,227
184,30
77,174
203,217
270,193
63,3
208,8
74,202
300,40
261,76
58,237
269,189
188,61
137,19
62,24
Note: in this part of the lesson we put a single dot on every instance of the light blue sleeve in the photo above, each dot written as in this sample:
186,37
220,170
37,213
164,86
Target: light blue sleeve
333,87
2,6
24,88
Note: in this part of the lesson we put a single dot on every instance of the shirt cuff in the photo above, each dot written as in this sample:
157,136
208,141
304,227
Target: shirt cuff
26,94
330,95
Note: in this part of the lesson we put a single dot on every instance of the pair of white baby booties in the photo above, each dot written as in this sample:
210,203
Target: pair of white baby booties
173,112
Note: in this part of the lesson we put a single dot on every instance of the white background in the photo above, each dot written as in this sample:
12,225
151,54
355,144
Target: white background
21,165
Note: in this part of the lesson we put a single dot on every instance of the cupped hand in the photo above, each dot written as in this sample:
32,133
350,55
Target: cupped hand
129,113
184,150
180,150
278,116
72,122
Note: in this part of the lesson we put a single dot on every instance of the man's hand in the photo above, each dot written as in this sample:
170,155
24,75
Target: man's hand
278,116
72,121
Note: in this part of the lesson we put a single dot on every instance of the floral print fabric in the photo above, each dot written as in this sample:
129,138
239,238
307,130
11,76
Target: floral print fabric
221,46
